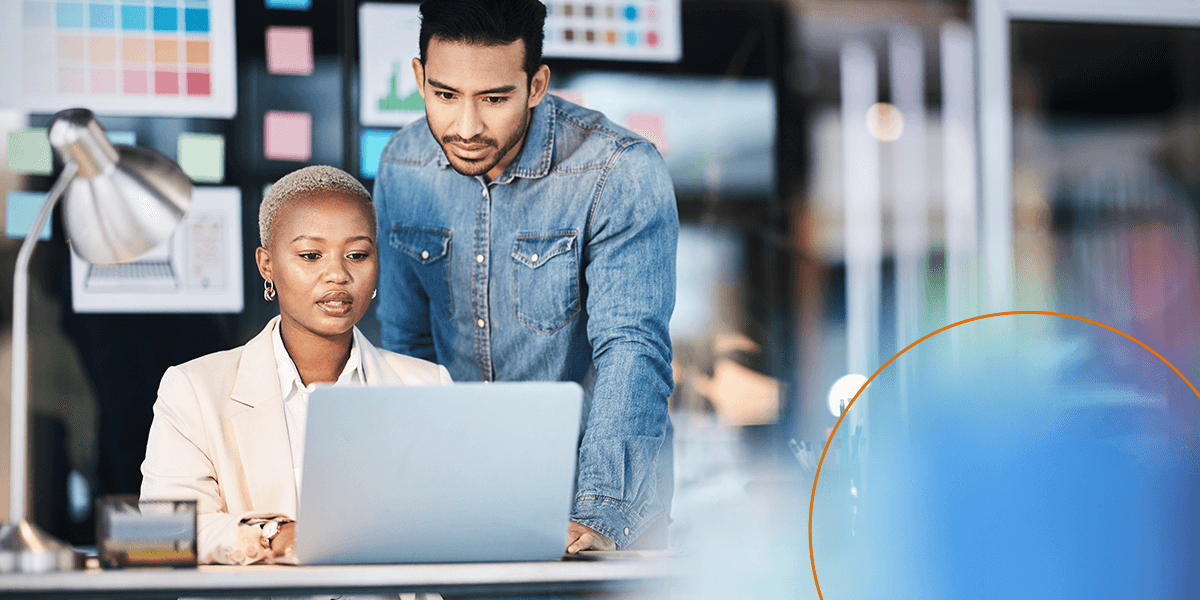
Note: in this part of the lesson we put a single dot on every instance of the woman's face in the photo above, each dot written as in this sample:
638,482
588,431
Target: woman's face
323,262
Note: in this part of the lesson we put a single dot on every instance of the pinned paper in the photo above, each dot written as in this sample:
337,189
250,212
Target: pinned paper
202,156
20,211
29,151
287,136
370,152
289,50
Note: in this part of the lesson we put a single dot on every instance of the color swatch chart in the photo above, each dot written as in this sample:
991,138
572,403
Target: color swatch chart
642,30
139,57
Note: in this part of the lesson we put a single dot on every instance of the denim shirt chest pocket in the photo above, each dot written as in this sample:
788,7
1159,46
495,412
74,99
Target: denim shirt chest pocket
429,249
546,279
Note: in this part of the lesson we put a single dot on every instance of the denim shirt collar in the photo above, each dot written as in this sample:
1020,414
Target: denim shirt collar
533,162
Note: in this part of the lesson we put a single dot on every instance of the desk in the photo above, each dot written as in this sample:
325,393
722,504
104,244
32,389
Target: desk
474,579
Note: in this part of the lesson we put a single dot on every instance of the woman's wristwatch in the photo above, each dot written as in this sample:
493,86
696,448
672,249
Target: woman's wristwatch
270,529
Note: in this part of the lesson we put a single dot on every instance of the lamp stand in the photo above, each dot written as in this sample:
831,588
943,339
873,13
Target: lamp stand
24,548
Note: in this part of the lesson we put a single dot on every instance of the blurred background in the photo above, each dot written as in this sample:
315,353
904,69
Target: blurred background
851,175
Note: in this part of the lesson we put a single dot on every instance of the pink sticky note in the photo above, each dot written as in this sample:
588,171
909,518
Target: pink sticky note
289,50
650,127
287,136
570,96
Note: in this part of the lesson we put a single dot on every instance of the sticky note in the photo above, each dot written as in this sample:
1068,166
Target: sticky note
29,151
371,145
287,135
20,211
289,50
571,96
122,137
651,127
202,156
290,4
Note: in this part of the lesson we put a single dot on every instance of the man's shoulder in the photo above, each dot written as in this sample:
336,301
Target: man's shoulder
586,137
412,145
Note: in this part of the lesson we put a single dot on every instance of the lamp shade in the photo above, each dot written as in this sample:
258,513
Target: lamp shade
124,201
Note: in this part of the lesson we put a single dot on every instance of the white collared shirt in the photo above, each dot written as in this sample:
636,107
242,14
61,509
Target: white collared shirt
295,393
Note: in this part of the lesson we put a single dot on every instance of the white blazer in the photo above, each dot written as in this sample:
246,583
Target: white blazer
219,435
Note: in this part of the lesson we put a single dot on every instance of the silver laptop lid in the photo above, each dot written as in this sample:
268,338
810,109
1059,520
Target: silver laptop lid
462,473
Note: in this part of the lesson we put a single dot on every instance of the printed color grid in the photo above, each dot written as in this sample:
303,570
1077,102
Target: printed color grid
144,48
614,29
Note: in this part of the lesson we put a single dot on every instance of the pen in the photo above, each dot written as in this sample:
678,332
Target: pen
803,454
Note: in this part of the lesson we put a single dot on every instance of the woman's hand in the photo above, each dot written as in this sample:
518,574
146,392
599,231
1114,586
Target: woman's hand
283,545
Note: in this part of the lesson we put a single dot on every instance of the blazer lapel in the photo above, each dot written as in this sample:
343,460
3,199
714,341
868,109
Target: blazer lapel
260,428
377,368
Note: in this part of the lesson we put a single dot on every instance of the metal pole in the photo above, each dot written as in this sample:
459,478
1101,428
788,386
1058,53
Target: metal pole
20,350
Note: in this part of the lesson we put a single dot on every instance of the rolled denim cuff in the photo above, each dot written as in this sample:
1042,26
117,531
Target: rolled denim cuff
607,516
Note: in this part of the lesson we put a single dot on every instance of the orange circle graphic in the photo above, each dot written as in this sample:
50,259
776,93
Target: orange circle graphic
812,500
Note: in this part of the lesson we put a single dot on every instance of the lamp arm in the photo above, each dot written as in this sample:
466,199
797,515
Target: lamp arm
20,348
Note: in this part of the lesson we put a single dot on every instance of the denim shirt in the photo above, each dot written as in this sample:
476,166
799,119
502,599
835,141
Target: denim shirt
562,269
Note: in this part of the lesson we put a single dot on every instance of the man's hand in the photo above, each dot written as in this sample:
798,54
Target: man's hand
582,537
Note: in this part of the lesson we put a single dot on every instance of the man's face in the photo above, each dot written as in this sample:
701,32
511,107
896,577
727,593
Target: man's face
477,101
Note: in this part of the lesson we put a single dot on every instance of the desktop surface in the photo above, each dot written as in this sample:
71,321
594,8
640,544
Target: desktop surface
644,571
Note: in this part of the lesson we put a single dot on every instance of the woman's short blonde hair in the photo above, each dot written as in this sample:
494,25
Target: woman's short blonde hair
307,182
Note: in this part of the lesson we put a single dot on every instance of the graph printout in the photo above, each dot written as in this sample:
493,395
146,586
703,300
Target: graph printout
641,30
129,57
389,36
198,270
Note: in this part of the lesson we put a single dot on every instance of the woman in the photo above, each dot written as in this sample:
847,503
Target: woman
228,428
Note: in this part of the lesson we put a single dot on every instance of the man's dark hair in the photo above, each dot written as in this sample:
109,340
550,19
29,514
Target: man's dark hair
488,23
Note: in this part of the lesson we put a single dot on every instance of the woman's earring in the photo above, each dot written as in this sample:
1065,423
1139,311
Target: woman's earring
268,290
374,292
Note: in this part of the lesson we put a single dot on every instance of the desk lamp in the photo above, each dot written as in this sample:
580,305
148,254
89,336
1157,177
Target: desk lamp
119,202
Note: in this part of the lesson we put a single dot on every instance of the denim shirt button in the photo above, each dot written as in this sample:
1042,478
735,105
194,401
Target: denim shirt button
533,258
424,254
481,323
626,531
479,258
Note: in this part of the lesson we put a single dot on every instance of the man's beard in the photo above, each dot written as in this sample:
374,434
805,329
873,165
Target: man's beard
481,167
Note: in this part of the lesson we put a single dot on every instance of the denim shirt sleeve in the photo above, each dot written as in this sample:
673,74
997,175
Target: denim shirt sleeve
403,308
630,273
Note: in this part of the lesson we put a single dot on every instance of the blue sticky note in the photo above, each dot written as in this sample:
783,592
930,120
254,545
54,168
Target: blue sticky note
371,150
195,20
133,18
122,137
20,211
166,18
102,16
290,4
70,14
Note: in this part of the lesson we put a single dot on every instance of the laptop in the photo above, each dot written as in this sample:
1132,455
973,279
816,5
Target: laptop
471,472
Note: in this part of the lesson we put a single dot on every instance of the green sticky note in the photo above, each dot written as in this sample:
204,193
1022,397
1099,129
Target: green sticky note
202,156
29,151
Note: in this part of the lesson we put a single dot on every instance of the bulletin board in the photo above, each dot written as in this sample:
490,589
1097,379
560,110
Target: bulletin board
293,83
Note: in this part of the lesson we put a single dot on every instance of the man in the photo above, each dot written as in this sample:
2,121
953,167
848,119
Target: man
523,238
